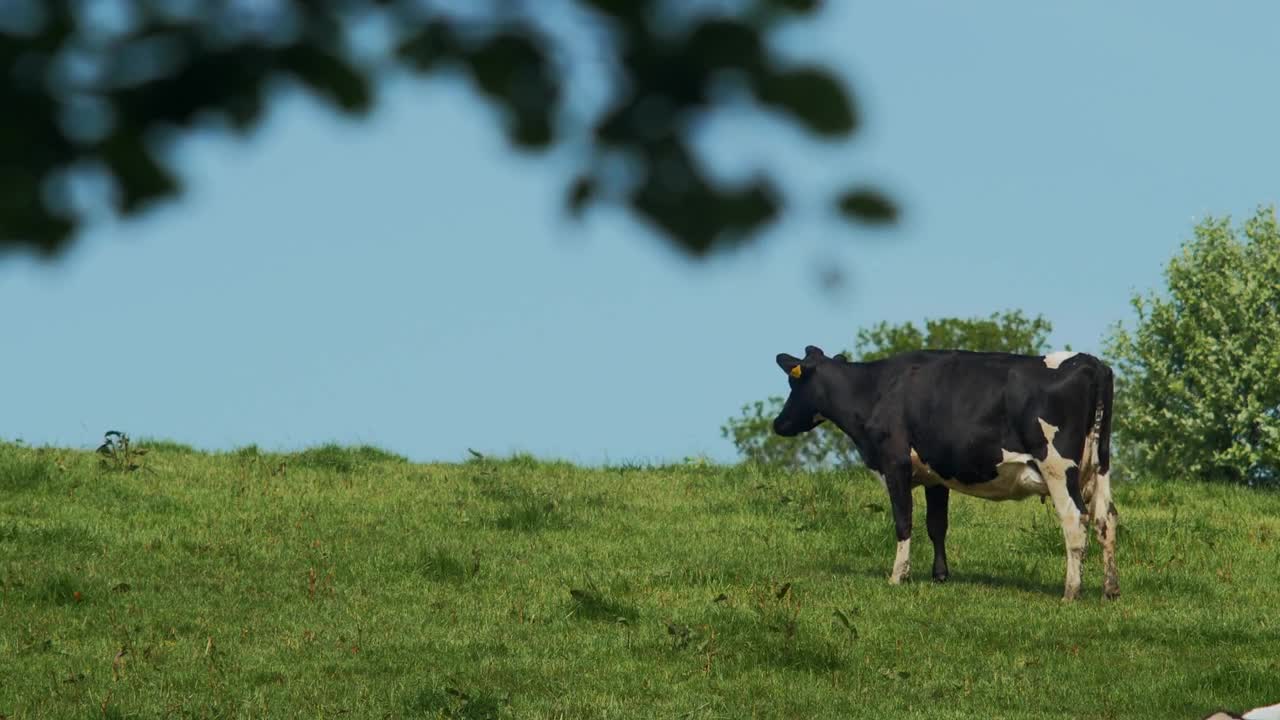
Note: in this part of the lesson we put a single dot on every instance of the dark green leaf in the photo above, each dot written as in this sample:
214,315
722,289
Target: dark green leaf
435,43
513,69
140,178
868,205
581,193
330,76
811,95
725,44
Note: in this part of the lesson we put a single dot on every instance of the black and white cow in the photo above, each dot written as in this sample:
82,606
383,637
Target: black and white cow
993,425
1270,712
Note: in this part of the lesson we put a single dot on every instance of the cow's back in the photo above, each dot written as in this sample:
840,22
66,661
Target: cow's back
964,412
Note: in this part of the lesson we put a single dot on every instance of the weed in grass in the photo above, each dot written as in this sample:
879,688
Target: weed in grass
119,454
843,618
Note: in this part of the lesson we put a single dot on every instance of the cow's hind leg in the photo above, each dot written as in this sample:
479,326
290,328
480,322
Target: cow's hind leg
1062,476
1103,510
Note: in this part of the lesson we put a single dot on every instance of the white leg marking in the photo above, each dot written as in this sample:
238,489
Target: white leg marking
902,563
1104,526
1054,468
1089,471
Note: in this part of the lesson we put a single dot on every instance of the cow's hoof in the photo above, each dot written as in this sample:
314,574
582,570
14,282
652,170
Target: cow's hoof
1111,586
941,577
1071,595
899,579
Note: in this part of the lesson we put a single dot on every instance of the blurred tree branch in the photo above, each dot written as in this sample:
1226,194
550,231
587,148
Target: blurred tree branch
95,86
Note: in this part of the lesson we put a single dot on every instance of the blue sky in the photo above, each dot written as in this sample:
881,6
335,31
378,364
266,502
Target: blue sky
407,281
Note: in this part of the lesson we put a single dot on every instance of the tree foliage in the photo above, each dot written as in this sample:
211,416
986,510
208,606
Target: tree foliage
752,432
1199,372
1009,331
103,87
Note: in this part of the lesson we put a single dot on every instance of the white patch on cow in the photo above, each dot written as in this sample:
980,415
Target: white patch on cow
1013,481
1054,359
1054,467
1105,523
901,563
1270,712
1089,468
1015,478
1007,457
921,473
1054,458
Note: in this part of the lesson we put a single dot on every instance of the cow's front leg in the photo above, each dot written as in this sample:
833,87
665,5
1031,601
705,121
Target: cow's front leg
897,481
937,497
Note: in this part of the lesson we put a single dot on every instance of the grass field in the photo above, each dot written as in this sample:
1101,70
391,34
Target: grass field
349,583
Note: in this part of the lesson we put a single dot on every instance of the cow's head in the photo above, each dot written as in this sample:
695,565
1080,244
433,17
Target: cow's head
800,413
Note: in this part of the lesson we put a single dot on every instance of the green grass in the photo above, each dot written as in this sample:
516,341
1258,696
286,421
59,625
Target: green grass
351,583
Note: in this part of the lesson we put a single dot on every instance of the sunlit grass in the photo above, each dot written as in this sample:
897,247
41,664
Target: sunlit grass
351,583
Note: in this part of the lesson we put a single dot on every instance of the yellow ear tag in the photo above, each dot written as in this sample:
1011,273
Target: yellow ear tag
795,371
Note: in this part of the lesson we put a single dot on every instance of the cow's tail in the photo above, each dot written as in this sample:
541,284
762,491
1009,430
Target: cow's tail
1106,391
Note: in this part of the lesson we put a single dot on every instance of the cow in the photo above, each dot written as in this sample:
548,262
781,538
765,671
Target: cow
1270,712
998,426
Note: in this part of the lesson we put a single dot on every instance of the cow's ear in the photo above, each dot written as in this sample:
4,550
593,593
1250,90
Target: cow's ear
813,352
790,365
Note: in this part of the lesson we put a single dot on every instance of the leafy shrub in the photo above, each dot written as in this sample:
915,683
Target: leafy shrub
1199,373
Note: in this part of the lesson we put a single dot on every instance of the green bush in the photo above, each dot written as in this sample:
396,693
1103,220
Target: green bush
752,431
1199,373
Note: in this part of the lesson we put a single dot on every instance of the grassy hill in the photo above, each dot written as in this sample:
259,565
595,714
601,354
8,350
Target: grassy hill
350,583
